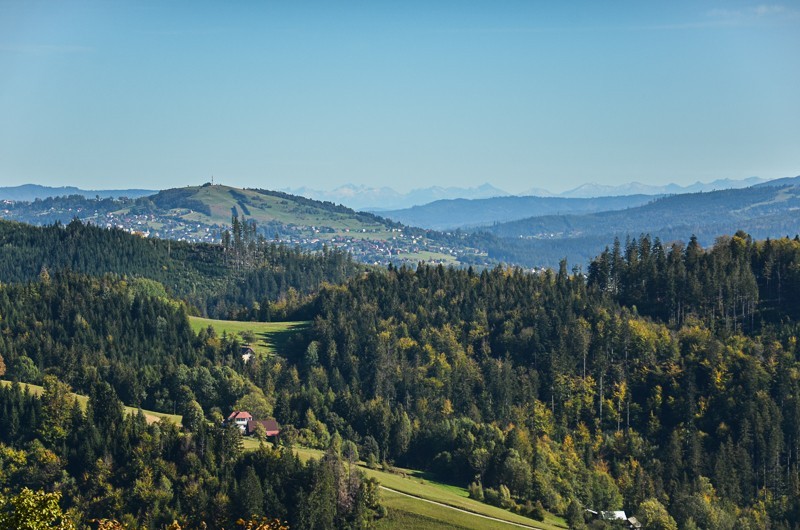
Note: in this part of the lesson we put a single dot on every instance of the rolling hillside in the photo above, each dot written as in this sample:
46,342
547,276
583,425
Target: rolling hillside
417,500
552,228
149,415
31,192
203,213
211,205
752,209
764,211
466,213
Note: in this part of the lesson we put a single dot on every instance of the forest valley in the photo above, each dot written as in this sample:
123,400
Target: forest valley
664,381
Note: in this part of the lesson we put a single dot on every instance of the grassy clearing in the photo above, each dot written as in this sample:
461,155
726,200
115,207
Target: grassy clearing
405,512
430,257
412,513
250,443
270,336
412,483
149,415
267,208
306,454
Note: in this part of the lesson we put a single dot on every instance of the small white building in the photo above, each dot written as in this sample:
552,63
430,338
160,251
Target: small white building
241,418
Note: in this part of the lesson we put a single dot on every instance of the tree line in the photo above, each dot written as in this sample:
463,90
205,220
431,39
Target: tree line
99,465
246,275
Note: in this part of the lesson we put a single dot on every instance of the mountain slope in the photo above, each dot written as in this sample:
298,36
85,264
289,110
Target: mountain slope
788,181
385,198
699,212
635,188
202,213
216,204
31,192
464,213
763,212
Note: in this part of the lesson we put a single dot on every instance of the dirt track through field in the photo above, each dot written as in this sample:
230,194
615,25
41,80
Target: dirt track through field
461,510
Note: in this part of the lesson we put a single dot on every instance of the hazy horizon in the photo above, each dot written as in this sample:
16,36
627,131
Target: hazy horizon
339,192
284,95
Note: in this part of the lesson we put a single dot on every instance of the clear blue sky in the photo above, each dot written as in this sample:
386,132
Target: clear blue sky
522,94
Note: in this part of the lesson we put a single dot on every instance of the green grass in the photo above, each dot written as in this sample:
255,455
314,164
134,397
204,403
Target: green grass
413,483
150,415
250,444
271,337
405,513
412,513
307,454
428,256
267,208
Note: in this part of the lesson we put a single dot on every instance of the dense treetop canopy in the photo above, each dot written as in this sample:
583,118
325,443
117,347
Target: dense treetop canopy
663,381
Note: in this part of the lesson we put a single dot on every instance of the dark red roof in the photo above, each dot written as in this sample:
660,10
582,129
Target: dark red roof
271,426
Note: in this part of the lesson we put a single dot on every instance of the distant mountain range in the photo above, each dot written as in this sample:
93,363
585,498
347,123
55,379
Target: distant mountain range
372,199
201,213
465,213
385,199
637,188
550,228
31,192
708,213
460,213
767,210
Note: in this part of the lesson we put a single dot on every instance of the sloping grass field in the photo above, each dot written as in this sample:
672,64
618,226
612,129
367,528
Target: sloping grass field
270,336
150,416
412,483
406,512
264,208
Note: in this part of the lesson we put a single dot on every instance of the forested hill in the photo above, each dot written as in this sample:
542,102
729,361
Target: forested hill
31,192
707,215
113,339
246,274
562,391
203,213
465,213
767,210
664,383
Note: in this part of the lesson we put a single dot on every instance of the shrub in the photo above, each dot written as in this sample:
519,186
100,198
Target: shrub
476,491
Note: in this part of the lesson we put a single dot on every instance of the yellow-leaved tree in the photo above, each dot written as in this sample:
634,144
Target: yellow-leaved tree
33,510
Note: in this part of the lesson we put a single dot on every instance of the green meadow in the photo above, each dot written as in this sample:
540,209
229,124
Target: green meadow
406,512
411,482
403,512
415,512
150,416
270,336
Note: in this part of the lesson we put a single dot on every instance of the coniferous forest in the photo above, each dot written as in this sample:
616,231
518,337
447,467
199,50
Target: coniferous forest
664,381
